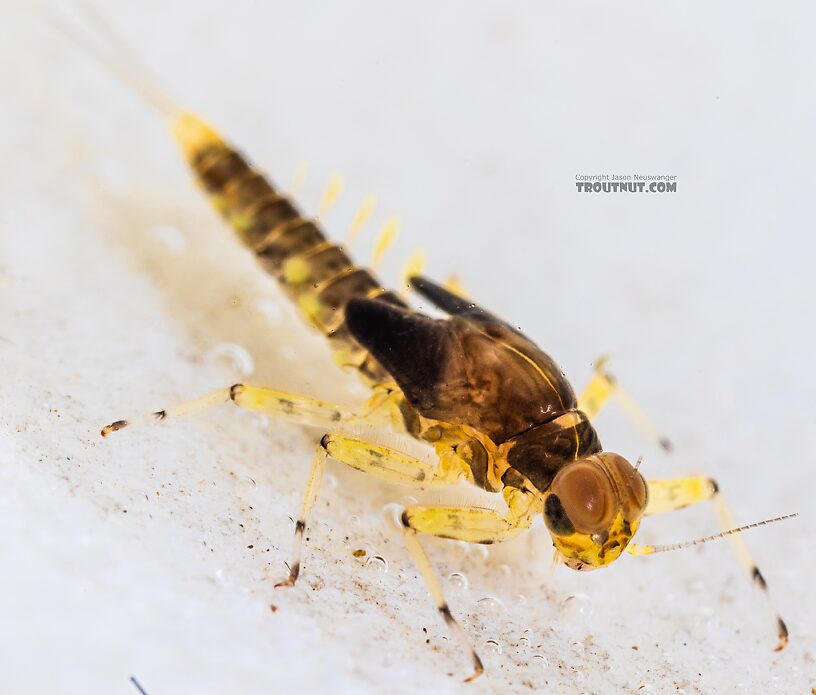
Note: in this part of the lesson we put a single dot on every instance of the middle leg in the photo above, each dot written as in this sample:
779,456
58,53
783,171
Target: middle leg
385,463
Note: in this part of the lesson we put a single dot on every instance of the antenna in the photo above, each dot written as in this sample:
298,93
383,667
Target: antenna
95,35
639,550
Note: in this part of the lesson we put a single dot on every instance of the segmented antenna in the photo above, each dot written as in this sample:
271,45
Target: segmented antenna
652,549
97,37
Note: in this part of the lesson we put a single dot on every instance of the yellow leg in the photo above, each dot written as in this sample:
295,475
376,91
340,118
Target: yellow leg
383,462
604,386
300,409
671,495
395,466
470,524
306,505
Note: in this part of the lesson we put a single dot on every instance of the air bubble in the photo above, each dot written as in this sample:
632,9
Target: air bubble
261,422
505,571
541,661
458,582
577,648
111,175
646,688
704,623
480,550
392,514
170,237
330,481
231,359
577,607
490,604
246,481
493,646
461,547
289,353
377,564
270,309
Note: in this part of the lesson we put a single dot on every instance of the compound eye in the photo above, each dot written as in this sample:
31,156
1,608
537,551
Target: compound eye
587,496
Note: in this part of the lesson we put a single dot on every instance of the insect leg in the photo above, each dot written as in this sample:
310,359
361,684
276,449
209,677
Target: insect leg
604,386
470,524
301,409
432,582
671,495
381,461
309,499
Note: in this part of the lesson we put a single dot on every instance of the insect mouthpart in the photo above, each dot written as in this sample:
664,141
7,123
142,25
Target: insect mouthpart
578,565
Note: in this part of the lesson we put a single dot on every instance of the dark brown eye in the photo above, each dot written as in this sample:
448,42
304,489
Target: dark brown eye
555,517
586,495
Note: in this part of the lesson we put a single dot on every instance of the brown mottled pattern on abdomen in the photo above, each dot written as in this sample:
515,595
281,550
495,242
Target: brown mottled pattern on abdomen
314,272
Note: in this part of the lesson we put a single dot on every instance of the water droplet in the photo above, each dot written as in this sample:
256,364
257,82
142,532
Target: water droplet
541,661
392,513
330,481
697,586
705,622
408,500
493,646
460,547
520,600
490,604
261,422
271,310
289,353
505,571
458,582
377,564
479,550
577,607
170,236
577,648
230,359
111,175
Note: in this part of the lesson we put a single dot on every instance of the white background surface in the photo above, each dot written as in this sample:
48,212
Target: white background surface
131,556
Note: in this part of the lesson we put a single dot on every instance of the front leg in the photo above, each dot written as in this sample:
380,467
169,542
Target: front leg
470,524
671,495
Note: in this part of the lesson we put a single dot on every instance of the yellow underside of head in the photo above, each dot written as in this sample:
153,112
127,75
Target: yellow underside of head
581,547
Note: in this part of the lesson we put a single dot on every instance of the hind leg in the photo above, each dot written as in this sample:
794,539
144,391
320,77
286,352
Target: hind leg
603,387
289,406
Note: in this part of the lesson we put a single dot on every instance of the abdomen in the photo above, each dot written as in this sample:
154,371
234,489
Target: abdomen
317,274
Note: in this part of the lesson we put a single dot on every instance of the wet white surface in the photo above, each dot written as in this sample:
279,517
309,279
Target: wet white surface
153,554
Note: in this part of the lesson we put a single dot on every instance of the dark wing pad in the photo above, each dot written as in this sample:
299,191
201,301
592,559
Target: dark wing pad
462,371
413,348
